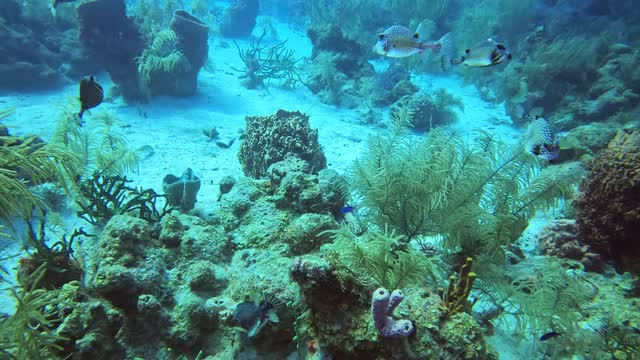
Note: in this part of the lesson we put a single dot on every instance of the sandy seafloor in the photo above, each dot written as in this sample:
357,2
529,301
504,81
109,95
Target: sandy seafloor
173,127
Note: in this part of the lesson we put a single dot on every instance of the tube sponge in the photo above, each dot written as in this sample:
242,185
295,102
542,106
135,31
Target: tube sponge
382,306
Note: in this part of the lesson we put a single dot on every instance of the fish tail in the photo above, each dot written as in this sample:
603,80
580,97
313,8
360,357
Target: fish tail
446,62
446,45
78,118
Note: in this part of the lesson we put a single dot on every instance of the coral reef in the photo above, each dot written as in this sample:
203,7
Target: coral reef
338,301
608,214
101,146
560,239
239,19
289,207
270,139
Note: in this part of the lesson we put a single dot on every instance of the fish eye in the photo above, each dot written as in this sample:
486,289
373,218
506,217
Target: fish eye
381,36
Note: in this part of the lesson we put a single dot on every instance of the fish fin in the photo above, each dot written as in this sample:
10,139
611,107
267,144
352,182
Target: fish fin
420,31
78,118
52,7
446,46
446,62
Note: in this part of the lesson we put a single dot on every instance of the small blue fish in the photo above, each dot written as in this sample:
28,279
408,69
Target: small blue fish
541,141
549,335
347,209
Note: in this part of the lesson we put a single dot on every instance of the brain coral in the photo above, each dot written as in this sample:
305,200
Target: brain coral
270,139
609,208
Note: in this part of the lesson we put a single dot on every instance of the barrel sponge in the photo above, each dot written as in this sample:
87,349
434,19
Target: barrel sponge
270,139
609,207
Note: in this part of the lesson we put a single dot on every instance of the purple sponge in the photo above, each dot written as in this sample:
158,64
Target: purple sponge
382,306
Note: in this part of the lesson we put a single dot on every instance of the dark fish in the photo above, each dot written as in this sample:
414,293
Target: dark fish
91,94
247,314
549,335
254,317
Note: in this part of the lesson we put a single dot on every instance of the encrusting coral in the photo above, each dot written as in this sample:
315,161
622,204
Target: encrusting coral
560,238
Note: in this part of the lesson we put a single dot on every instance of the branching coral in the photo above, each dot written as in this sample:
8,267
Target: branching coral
378,258
539,294
57,258
27,161
101,148
30,332
477,196
106,196
269,63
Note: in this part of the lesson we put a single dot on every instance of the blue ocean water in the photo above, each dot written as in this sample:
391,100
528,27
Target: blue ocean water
319,179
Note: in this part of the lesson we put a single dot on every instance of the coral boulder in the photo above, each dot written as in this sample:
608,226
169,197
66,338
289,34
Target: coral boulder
270,139
609,208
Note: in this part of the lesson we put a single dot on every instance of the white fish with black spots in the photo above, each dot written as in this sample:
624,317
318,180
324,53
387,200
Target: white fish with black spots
399,42
541,141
